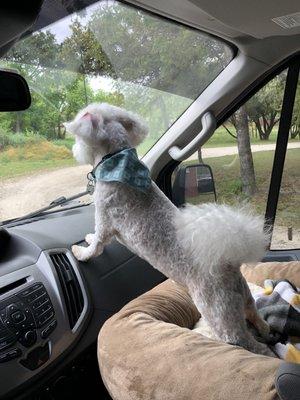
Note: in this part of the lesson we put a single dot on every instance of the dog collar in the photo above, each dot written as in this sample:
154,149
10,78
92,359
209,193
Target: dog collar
122,166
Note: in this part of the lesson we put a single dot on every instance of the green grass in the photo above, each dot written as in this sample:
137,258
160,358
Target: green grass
221,138
30,158
27,167
67,142
18,139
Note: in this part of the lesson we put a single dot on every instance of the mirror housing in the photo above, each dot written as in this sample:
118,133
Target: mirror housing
14,91
192,184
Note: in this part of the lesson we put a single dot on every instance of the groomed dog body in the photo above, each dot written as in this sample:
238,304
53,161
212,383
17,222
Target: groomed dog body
201,247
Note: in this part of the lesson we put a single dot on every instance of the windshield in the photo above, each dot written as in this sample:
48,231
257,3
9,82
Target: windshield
107,52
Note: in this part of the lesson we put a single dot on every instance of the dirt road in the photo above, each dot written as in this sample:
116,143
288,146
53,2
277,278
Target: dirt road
22,195
231,150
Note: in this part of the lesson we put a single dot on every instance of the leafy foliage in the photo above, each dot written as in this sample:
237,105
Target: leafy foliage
295,129
264,107
19,139
83,53
155,67
147,59
144,50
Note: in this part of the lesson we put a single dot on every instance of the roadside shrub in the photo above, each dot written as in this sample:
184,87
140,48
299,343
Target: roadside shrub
234,186
67,142
18,139
43,150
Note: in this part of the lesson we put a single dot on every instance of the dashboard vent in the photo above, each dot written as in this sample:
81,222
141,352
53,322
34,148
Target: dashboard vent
70,286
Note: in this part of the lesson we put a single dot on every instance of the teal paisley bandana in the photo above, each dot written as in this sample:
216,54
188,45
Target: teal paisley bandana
125,167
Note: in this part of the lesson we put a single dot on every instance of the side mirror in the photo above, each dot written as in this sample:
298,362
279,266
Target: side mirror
14,92
194,184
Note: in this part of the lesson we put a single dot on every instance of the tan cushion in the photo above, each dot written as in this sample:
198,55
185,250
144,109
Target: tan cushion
272,270
147,351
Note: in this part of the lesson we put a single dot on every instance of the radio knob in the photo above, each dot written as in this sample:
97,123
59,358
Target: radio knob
28,338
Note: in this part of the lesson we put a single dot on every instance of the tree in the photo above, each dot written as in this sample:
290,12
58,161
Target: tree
295,128
264,107
83,53
58,90
142,50
245,154
30,57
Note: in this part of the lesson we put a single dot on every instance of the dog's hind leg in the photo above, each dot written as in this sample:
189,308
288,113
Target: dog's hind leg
224,311
252,315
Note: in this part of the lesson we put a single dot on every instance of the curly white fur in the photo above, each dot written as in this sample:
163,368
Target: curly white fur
200,246
227,235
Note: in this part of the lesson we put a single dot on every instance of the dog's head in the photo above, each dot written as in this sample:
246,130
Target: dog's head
100,129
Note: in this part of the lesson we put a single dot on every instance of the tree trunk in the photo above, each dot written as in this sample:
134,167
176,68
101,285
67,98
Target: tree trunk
245,154
200,156
164,112
259,129
295,131
265,125
18,122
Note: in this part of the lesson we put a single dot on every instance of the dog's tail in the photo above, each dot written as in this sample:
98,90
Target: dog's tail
216,235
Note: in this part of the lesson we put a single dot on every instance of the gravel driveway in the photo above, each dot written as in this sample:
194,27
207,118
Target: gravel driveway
231,150
22,195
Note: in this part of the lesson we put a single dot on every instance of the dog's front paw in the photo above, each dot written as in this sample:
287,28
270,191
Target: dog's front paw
89,238
80,253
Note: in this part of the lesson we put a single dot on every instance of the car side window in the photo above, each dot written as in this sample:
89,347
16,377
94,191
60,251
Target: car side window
286,233
240,154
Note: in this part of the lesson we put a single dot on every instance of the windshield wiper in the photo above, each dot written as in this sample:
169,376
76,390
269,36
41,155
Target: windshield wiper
55,203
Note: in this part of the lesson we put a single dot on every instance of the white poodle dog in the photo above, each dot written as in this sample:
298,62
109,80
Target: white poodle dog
201,247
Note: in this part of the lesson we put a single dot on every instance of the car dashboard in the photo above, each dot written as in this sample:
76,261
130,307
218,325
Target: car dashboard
51,306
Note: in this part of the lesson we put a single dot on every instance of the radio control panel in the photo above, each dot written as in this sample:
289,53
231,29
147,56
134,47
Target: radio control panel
26,318
38,302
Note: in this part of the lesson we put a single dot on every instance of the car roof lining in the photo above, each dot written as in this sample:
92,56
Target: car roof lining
251,32
253,18
255,41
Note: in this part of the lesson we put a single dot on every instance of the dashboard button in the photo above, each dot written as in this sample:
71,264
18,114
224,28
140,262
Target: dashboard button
35,295
40,302
8,324
43,310
45,318
50,328
10,355
12,307
18,316
25,292
37,286
7,342
28,338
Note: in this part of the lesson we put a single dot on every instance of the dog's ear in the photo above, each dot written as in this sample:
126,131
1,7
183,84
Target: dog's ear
136,128
92,119
85,125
